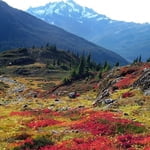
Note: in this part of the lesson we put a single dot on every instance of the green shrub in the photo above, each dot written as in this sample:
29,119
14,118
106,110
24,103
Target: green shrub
66,81
64,67
129,128
36,144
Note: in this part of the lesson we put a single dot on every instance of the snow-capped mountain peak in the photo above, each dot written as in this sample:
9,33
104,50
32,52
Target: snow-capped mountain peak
66,8
70,16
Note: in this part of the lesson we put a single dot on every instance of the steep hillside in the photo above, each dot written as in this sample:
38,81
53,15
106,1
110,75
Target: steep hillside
127,90
46,55
127,39
19,29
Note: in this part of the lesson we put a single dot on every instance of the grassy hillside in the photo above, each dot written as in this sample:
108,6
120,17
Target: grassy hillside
37,61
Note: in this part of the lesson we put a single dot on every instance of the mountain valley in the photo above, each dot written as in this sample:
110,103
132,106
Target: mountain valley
59,91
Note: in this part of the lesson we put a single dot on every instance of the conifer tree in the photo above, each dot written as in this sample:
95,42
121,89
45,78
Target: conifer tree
117,64
100,74
106,66
148,60
54,48
47,45
88,61
54,63
140,59
73,74
81,67
98,67
58,62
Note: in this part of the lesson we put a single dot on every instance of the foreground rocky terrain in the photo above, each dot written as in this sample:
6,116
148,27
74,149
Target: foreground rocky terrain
111,113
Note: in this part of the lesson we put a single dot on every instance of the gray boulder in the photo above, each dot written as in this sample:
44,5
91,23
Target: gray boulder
147,92
108,101
72,95
144,81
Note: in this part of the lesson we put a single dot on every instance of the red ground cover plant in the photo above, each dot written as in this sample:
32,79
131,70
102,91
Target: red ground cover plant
130,75
38,112
42,123
127,81
21,113
128,141
99,143
48,112
1,117
53,96
96,86
147,65
127,94
107,123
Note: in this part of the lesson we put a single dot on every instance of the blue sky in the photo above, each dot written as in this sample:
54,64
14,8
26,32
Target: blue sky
127,10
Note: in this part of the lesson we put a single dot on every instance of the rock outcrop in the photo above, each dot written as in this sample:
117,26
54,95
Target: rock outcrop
144,82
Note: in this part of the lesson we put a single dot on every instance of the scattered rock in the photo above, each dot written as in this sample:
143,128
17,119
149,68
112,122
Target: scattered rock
74,131
140,102
101,97
144,81
81,106
52,105
57,100
7,80
126,114
54,132
108,101
64,109
72,95
32,94
147,92
25,106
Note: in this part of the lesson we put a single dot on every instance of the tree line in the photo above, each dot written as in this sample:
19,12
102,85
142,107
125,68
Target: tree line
85,69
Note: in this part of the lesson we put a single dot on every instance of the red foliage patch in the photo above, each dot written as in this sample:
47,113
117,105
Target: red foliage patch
130,74
42,123
106,123
1,117
53,96
21,113
127,81
127,94
127,141
100,143
96,86
35,113
48,111
146,65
